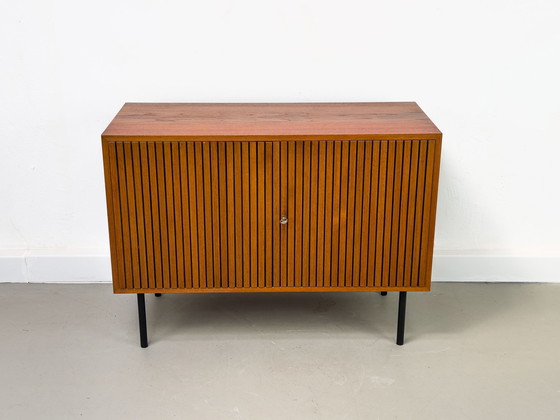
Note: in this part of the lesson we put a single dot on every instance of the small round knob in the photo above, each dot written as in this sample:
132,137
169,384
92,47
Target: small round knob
283,220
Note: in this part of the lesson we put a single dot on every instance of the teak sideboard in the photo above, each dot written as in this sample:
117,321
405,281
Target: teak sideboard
271,198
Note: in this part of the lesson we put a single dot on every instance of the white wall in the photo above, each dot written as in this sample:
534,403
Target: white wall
485,71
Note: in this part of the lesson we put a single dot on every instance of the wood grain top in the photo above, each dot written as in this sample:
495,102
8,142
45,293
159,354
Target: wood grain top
269,121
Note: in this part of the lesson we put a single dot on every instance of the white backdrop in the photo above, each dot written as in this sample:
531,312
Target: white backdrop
485,71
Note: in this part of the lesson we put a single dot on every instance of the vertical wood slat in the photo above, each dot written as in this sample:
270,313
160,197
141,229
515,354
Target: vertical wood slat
186,217
405,190
193,210
216,280
132,216
169,204
433,203
223,186
269,208
136,182
117,238
206,215
125,217
313,213
426,217
149,281
358,209
388,217
245,234
413,184
253,213
343,215
198,180
306,198
208,280
179,279
420,187
327,225
372,259
240,215
232,211
321,215
337,155
367,210
379,229
396,206
351,190
298,213
260,216
290,245
153,186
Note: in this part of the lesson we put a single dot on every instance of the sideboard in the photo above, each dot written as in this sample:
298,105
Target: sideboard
283,197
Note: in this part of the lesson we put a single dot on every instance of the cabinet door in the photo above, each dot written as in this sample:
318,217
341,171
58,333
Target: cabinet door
360,213
194,215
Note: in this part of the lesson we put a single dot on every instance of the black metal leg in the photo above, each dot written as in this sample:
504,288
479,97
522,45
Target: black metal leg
158,294
142,320
383,293
400,322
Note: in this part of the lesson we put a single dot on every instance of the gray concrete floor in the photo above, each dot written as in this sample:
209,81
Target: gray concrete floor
472,351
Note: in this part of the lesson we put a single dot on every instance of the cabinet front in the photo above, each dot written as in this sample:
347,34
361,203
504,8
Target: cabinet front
271,215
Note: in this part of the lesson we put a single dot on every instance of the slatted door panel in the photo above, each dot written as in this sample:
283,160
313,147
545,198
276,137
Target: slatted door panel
358,213
206,215
193,215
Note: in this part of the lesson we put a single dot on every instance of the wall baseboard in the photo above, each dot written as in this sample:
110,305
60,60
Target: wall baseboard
79,267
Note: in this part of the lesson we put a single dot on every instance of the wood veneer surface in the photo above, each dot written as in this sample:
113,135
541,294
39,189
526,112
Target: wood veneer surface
269,121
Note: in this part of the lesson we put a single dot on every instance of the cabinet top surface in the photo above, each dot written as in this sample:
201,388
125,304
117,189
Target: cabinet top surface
272,120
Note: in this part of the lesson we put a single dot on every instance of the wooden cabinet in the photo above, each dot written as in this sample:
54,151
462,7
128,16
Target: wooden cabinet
271,197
